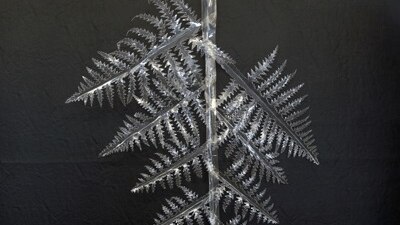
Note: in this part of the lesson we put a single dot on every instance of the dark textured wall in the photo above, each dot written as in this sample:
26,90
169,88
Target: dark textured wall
346,51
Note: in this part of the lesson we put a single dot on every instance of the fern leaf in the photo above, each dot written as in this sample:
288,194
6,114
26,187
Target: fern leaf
111,76
263,67
184,9
263,213
159,175
266,105
256,118
155,21
194,208
167,13
131,134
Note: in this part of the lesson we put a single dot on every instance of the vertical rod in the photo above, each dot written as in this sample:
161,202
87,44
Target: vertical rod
209,20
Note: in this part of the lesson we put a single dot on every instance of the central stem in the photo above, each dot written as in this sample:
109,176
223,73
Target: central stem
209,20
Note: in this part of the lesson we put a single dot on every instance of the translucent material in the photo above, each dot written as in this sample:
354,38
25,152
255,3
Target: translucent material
253,121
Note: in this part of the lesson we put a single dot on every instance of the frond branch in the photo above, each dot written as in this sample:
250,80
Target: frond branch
165,46
188,157
235,73
238,190
150,123
199,203
251,147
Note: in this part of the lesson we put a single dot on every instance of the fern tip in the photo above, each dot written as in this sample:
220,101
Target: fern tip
315,160
103,154
71,99
276,49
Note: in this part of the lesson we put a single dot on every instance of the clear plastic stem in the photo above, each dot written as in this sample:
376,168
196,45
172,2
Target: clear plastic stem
209,20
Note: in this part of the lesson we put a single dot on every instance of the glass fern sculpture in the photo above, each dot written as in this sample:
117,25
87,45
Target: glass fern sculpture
252,121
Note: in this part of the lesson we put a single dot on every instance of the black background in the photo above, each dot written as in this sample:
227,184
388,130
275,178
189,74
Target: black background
346,51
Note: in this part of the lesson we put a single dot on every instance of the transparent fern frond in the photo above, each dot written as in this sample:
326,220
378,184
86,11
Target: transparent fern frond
132,57
246,203
171,169
182,211
282,119
255,119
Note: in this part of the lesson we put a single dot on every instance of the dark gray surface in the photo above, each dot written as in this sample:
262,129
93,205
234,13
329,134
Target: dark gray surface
347,53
